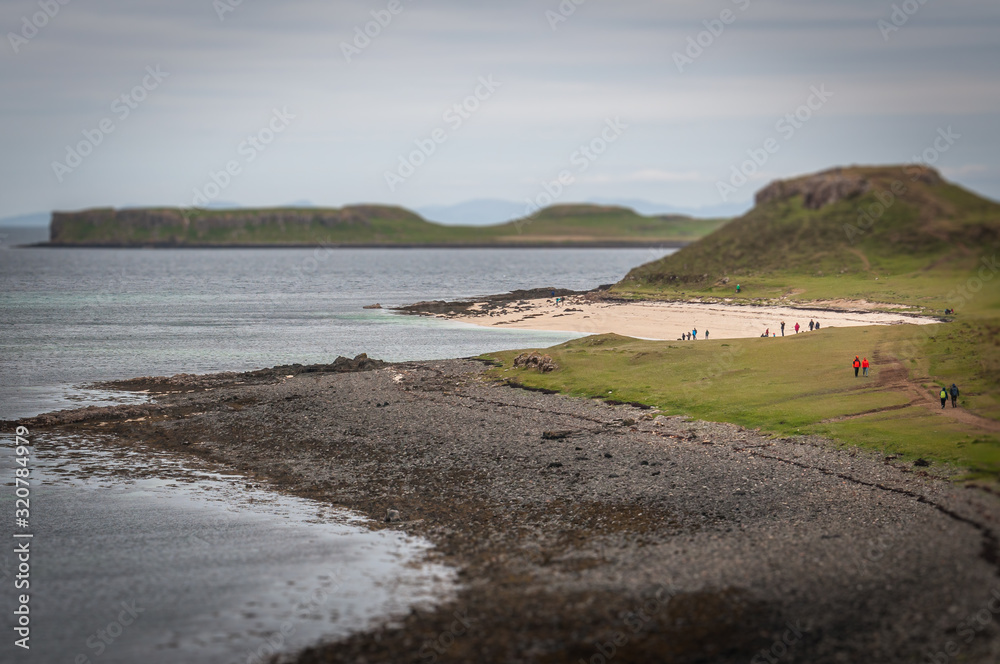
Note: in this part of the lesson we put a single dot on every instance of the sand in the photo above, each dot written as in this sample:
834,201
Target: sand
668,320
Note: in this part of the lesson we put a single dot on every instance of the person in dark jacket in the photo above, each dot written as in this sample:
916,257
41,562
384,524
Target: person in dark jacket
856,365
944,396
954,395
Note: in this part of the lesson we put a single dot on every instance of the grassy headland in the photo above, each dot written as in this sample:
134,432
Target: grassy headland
932,245
369,225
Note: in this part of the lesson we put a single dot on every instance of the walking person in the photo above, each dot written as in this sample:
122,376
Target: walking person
954,395
782,328
706,335
694,334
796,328
944,397
857,365
864,367
811,324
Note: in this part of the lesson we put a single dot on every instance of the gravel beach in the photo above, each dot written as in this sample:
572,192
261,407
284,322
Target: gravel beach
597,532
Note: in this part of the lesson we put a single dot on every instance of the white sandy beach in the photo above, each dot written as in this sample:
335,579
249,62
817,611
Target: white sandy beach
668,320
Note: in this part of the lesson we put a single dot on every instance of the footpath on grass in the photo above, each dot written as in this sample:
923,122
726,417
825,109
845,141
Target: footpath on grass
805,384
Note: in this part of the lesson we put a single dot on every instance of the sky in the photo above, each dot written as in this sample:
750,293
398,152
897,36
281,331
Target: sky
693,103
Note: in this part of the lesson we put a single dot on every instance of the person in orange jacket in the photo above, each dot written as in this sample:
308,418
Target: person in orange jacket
857,365
864,367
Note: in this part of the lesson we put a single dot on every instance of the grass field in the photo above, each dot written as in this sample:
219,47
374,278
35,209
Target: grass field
934,248
804,384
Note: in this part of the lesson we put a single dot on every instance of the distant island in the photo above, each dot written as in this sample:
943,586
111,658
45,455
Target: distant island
581,225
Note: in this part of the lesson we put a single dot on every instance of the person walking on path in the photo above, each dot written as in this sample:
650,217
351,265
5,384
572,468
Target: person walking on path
694,334
811,324
944,397
857,365
954,395
782,328
796,328
864,367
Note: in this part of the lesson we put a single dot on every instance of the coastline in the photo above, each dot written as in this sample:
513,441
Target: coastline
631,244
577,524
594,313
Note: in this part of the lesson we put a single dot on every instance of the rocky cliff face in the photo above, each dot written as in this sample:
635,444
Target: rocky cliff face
833,186
107,225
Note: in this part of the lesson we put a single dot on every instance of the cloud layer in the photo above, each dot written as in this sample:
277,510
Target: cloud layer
396,87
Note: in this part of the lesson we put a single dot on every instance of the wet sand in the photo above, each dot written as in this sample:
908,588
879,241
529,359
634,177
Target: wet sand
589,531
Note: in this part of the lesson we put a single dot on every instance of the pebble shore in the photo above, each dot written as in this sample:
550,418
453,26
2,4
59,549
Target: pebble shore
596,532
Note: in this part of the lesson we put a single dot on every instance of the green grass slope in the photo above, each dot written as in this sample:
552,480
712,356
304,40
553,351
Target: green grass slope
895,235
804,384
891,234
367,225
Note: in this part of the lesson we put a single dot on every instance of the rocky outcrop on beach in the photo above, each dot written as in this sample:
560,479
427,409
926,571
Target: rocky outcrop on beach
535,360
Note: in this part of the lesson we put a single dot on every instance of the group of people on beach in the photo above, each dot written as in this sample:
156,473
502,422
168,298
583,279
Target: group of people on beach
813,325
692,335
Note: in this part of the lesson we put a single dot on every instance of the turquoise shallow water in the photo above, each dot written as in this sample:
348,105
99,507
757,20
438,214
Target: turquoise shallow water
71,316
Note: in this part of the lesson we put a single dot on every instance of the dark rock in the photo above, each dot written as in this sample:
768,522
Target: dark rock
535,360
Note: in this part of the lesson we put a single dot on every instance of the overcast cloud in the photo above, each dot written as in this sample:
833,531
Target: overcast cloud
328,130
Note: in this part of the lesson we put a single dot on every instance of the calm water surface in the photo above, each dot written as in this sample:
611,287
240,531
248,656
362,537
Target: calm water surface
71,316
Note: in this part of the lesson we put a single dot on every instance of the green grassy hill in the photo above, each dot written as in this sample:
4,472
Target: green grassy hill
368,225
893,234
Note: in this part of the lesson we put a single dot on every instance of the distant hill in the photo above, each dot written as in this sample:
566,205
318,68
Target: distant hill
859,223
488,211
367,225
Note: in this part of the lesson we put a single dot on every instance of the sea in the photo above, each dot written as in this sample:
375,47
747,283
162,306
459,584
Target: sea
137,556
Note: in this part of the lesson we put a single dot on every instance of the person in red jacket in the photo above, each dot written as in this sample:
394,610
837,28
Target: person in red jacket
857,365
796,328
864,366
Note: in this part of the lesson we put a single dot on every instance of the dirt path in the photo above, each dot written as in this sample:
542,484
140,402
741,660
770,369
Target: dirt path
892,375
